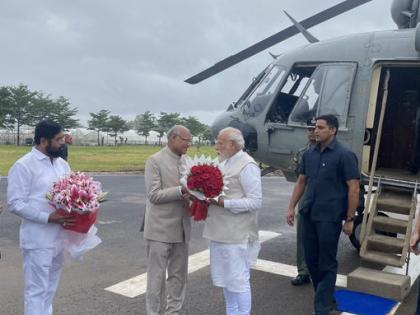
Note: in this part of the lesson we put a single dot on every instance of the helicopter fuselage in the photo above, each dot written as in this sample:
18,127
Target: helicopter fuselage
342,76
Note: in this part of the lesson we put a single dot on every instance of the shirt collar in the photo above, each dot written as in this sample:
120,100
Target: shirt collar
172,154
38,154
234,157
332,145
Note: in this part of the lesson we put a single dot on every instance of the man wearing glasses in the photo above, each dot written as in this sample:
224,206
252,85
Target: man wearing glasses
167,226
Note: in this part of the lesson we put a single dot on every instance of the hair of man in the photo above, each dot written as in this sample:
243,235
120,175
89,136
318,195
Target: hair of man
235,135
46,129
331,120
174,131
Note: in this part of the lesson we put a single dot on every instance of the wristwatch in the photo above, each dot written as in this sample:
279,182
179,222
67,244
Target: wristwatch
349,219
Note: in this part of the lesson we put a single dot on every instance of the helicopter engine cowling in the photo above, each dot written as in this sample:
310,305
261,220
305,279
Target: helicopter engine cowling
405,13
228,119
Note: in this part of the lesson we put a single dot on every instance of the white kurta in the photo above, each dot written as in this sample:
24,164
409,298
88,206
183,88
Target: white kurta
230,263
29,180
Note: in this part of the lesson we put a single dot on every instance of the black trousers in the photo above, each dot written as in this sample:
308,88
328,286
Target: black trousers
320,241
418,300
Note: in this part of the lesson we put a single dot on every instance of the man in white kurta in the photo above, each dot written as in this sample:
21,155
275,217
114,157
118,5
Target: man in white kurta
29,180
1,210
232,225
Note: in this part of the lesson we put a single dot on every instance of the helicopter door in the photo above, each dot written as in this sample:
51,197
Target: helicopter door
326,92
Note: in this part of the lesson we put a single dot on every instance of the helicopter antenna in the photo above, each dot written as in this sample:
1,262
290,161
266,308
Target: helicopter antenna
310,38
274,55
275,39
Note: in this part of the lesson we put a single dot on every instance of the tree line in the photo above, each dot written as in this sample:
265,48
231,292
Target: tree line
145,123
19,106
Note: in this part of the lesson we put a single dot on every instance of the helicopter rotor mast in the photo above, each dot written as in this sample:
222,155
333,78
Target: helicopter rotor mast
405,13
275,39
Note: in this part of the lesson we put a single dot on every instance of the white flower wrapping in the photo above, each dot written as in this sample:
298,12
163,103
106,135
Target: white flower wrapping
77,193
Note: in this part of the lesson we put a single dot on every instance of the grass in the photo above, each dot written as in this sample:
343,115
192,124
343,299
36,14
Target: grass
98,159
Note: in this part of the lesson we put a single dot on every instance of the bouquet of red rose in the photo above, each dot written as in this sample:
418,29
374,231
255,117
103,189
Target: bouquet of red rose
78,196
204,179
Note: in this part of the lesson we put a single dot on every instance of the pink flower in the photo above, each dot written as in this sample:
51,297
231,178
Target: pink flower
76,192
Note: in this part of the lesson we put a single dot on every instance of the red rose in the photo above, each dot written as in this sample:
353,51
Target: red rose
207,179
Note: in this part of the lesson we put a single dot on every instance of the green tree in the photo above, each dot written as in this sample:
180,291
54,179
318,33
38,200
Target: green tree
207,135
44,107
21,99
116,124
5,107
130,124
144,124
195,126
165,122
63,114
99,121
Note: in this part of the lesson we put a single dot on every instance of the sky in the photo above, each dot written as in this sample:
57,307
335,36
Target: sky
130,56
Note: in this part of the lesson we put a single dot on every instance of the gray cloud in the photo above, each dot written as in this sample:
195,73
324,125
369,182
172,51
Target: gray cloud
132,56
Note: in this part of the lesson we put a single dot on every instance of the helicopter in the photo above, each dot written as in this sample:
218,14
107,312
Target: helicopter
369,81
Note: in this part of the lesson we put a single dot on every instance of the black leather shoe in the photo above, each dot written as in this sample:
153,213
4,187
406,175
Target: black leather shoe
300,280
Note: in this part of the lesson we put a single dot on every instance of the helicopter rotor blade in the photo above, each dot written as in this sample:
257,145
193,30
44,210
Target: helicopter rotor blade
309,37
275,39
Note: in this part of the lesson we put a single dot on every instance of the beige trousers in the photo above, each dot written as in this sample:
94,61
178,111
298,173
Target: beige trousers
166,295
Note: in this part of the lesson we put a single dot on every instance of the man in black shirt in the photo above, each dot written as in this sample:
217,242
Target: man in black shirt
329,172
64,151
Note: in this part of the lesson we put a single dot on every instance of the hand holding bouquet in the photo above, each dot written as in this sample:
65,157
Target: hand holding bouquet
203,178
77,196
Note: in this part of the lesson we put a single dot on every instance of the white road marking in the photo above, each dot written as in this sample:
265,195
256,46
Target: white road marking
137,285
289,271
394,309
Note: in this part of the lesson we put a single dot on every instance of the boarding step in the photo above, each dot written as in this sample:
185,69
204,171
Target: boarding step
392,225
396,201
386,243
380,283
385,259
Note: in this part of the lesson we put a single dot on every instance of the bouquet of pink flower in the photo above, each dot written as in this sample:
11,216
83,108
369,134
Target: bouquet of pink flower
78,196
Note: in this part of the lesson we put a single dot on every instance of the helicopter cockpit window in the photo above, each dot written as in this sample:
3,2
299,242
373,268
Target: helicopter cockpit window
261,95
307,106
328,92
289,93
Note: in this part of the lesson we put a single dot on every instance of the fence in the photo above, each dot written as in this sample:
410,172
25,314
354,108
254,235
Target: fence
82,136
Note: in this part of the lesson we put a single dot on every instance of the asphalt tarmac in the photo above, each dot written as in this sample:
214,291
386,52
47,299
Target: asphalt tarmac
121,256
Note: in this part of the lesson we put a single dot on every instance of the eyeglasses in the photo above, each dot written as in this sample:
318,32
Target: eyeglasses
189,140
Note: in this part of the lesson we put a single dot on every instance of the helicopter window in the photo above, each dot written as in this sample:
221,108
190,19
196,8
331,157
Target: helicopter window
289,94
295,85
307,106
336,91
328,92
255,81
261,95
